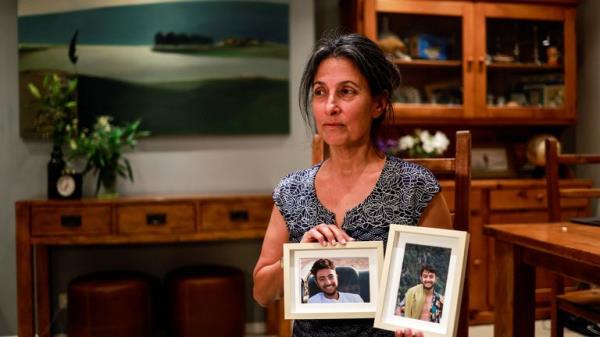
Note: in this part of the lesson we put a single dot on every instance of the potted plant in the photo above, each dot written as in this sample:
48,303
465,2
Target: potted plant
102,149
56,111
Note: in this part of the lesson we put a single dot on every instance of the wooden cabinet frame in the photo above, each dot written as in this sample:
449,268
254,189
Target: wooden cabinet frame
474,109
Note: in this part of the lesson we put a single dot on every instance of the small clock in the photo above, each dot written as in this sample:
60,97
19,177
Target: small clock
65,186
68,186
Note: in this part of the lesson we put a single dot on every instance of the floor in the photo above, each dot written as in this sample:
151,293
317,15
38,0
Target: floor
542,329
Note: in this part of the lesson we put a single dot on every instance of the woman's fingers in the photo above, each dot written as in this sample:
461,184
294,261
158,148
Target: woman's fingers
340,235
407,333
326,234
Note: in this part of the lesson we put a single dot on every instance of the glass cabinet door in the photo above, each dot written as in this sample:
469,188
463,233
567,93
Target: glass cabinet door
426,39
525,62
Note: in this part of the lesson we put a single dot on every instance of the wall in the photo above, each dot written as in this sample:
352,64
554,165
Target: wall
588,100
161,166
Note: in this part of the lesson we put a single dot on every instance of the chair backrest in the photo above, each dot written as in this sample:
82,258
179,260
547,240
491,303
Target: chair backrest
554,190
460,167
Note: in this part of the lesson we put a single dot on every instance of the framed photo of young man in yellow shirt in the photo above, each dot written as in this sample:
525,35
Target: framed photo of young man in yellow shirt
422,280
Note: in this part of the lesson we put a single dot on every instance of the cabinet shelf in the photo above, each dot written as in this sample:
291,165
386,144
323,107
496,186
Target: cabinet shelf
428,63
523,66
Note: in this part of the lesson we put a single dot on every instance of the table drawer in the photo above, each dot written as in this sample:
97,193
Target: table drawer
156,218
474,199
86,220
236,214
527,199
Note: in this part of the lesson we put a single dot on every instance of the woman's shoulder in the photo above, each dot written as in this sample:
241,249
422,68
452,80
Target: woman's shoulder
409,169
299,177
297,181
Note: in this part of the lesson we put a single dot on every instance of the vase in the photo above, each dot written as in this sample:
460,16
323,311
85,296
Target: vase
55,168
107,184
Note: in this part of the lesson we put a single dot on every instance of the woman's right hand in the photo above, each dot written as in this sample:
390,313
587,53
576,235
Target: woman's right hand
407,333
326,234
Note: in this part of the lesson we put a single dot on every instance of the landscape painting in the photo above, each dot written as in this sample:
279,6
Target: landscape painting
194,67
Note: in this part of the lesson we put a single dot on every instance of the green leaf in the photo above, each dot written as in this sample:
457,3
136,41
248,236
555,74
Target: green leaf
129,170
34,91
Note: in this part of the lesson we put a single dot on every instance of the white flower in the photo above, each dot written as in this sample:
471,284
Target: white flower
104,123
406,142
440,142
422,143
424,135
428,146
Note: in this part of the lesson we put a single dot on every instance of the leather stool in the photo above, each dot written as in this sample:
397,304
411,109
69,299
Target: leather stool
206,301
110,305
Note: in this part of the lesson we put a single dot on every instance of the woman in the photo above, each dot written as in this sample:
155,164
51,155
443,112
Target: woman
357,192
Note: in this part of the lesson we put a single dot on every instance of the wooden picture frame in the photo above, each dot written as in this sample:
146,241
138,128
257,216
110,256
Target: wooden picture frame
408,249
358,268
491,162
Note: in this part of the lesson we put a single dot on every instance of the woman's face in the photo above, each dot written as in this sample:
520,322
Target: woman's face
342,103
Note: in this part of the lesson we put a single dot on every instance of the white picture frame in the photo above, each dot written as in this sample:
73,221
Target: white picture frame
365,257
407,249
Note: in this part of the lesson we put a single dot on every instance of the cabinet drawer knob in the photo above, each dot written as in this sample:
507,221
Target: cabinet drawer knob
539,196
70,221
238,215
477,262
469,63
481,61
156,219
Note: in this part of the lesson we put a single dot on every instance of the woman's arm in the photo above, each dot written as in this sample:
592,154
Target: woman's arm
268,274
437,214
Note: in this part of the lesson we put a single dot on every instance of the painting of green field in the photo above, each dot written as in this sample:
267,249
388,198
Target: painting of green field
225,106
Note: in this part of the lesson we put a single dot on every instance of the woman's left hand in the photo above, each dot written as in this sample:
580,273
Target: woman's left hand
407,333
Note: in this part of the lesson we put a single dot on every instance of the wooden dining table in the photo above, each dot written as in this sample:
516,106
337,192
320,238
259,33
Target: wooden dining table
565,248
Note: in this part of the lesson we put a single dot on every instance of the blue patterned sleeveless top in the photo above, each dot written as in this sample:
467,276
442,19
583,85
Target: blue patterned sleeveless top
400,196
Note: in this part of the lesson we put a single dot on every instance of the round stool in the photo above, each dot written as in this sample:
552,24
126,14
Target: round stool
206,301
110,304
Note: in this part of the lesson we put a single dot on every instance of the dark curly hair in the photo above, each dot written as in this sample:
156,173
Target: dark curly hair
381,74
321,264
428,268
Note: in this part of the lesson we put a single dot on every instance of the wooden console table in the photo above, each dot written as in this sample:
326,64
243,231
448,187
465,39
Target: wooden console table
132,220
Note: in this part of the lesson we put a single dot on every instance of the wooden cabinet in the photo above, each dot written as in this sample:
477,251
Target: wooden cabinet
122,221
470,62
502,202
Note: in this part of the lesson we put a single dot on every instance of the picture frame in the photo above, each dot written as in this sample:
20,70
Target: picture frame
166,62
554,95
491,162
358,268
408,249
534,94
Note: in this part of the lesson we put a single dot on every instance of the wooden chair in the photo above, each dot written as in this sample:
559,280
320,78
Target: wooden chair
460,167
581,303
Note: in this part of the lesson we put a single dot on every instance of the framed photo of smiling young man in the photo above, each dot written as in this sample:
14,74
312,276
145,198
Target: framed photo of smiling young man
339,281
422,280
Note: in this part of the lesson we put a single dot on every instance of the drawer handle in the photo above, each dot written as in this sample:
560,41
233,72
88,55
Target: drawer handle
239,215
70,221
156,219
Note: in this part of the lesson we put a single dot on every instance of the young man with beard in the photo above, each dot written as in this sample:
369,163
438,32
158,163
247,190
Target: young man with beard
422,301
324,272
